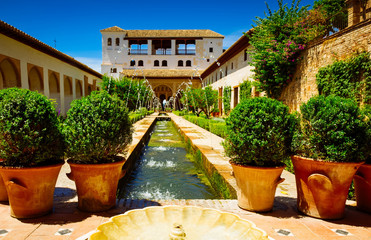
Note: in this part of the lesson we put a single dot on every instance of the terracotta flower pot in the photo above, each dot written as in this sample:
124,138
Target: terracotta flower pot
362,186
322,187
30,190
96,184
3,193
256,186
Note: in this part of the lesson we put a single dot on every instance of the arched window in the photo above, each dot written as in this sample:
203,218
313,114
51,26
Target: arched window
140,63
164,63
188,63
132,63
180,63
109,42
117,41
156,63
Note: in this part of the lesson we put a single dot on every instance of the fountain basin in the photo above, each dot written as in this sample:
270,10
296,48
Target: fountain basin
162,223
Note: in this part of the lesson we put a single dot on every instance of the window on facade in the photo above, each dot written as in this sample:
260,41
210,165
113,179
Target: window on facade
113,70
109,42
221,75
140,63
138,47
164,63
180,63
207,60
132,63
211,49
226,71
156,63
245,55
232,66
117,41
185,47
188,63
161,47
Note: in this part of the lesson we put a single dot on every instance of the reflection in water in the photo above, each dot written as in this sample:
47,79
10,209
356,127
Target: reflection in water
164,171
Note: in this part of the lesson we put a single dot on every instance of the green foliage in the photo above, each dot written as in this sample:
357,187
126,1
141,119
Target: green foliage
215,126
332,129
334,13
201,100
245,90
97,128
350,78
277,41
139,114
259,132
227,99
30,132
135,93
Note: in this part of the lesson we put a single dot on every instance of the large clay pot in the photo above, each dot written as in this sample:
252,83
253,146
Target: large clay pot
96,184
256,186
3,193
30,190
322,187
362,186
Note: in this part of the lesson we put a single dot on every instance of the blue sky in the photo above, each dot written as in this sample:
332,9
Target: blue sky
75,24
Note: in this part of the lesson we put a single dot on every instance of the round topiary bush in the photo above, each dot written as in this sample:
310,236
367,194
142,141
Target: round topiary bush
332,129
97,128
30,132
259,132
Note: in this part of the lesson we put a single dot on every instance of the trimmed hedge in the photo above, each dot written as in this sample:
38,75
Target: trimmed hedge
333,129
30,132
259,132
97,129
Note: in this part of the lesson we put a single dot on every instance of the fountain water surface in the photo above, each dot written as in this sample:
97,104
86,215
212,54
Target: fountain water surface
164,171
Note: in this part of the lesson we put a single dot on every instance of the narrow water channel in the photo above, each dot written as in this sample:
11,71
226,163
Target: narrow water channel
164,171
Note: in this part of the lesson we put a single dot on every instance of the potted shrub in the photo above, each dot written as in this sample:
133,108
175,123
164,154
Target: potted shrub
97,131
330,146
259,133
31,146
362,179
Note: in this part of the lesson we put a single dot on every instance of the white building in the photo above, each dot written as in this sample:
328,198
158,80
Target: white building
230,69
25,62
166,58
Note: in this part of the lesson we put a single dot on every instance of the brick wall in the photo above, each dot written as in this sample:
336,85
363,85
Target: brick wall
322,53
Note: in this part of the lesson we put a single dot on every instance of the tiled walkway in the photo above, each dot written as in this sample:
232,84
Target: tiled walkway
284,222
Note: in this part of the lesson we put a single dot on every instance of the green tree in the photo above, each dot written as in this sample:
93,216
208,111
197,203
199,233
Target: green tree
227,99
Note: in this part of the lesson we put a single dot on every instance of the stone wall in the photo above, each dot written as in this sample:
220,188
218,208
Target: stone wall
320,54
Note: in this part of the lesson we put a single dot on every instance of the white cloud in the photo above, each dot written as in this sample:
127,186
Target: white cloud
94,63
232,38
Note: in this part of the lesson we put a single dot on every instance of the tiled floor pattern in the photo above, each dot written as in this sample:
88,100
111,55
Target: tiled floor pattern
67,222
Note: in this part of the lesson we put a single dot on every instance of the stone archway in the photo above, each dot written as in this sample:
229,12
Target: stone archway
35,80
9,74
163,92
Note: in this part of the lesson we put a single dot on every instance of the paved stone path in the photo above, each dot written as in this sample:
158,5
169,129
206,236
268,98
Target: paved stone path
284,222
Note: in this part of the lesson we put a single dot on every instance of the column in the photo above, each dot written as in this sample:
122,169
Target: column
61,88
73,88
173,47
46,82
149,47
24,75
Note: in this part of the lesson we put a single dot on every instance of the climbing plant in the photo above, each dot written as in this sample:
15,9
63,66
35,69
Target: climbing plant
278,40
245,90
349,78
227,99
